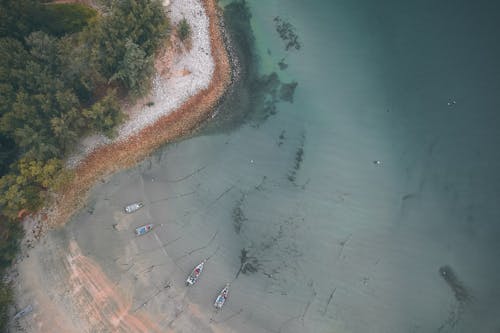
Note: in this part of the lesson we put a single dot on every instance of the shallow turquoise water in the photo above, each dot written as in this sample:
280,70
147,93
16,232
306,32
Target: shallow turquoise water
413,85
339,243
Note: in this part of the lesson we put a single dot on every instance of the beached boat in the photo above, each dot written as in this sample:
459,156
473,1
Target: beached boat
143,229
195,274
133,207
221,299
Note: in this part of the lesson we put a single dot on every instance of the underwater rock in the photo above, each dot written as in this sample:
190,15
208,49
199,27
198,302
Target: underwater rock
459,290
299,157
287,33
282,64
287,90
281,138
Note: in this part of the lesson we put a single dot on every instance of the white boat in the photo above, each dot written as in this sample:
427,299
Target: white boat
143,229
195,274
133,207
222,297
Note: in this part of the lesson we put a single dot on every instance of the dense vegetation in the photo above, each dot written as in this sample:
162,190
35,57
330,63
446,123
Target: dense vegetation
62,70
183,29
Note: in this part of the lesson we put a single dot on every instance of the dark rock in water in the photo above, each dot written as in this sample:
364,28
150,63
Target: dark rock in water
287,33
408,196
287,91
282,64
281,138
269,84
459,290
299,157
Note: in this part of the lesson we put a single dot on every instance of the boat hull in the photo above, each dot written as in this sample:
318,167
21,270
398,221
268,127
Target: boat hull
195,274
143,229
133,207
221,298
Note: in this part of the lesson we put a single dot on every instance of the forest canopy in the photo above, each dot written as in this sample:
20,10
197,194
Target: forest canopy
63,70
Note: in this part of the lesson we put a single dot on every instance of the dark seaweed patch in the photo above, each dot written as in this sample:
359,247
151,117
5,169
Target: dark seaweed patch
281,138
459,290
461,294
282,64
273,251
287,90
266,92
287,33
299,157
252,97
238,215
248,264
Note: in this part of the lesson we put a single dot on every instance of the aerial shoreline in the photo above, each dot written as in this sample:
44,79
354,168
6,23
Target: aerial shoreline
109,158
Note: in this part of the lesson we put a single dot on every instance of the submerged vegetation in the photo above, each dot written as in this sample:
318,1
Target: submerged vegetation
299,158
254,97
287,33
63,70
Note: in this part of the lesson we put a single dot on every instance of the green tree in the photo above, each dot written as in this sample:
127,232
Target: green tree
13,58
183,29
135,70
68,18
104,115
18,18
6,299
8,153
44,49
10,233
113,41
27,186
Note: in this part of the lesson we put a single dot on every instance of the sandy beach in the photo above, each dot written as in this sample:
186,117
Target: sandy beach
71,292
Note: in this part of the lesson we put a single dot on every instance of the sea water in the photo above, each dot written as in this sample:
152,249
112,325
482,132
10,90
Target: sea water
365,198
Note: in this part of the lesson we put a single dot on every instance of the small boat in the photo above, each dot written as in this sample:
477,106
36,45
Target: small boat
133,207
221,299
195,274
143,229
24,312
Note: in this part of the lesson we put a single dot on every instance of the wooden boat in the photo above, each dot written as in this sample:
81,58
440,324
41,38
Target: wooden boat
222,297
133,207
195,274
143,229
